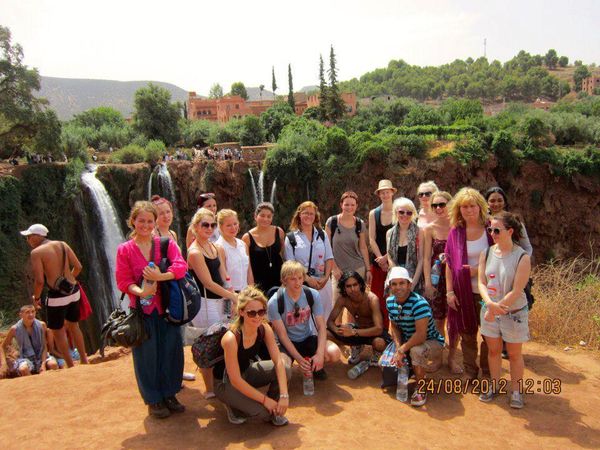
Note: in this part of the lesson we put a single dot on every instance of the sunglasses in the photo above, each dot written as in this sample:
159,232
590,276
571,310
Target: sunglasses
438,205
253,313
208,225
296,310
425,194
402,212
207,196
494,230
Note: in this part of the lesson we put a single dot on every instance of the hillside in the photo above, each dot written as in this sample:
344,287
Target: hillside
69,96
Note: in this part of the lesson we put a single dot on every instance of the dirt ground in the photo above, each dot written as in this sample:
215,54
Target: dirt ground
98,406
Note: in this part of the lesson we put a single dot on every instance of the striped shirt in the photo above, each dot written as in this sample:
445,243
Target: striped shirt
404,316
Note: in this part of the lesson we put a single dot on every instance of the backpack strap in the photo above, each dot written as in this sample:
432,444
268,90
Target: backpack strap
280,301
333,225
378,215
321,234
292,238
164,246
357,226
311,301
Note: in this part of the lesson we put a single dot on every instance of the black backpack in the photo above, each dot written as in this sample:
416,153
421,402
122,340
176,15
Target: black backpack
334,226
181,299
292,238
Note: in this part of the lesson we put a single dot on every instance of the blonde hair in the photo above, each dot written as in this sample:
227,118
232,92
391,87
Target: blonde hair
290,268
467,195
139,207
403,202
200,214
248,294
444,194
431,184
226,214
295,222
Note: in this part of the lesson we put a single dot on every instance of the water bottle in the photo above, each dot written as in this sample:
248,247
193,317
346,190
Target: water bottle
359,369
308,383
145,301
436,272
493,287
227,302
402,386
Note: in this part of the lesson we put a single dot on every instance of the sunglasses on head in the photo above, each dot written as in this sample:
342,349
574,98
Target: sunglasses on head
402,212
253,313
425,194
208,225
438,205
207,195
296,310
494,230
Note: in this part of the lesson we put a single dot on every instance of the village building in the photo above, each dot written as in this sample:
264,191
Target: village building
590,84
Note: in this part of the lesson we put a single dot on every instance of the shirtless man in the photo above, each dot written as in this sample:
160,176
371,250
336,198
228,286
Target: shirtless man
366,327
49,261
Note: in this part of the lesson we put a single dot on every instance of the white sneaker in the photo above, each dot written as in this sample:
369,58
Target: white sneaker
233,418
188,376
355,354
516,400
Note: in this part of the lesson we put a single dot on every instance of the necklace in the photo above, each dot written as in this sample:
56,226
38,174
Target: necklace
208,252
268,253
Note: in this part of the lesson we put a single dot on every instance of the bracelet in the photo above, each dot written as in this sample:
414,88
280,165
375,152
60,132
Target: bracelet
284,396
450,292
355,331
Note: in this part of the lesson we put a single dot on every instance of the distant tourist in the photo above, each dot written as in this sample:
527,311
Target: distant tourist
30,334
158,362
55,265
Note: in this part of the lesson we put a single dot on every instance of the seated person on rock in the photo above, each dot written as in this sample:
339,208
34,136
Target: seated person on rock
291,316
366,323
414,334
30,335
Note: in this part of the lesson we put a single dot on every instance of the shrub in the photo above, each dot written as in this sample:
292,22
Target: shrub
129,154
503,146
155,149
469,149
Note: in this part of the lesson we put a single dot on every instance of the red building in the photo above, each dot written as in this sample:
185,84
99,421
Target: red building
590,84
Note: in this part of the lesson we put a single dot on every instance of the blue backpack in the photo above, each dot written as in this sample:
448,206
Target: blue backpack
181,299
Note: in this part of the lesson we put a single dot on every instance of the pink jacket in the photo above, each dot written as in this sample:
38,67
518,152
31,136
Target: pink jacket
131,263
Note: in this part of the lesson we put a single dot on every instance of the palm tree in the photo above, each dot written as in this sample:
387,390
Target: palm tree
261,88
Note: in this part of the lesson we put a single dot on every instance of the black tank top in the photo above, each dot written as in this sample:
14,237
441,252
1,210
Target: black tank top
380,232
266,263
256,352
213,267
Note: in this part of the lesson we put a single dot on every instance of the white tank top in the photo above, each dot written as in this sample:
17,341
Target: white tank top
237,262
474,249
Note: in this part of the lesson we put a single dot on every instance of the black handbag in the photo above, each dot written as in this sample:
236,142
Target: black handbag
124,329
62,285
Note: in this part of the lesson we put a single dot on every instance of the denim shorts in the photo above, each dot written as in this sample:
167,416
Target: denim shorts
512,327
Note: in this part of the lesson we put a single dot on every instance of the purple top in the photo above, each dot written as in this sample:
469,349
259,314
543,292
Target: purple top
464,320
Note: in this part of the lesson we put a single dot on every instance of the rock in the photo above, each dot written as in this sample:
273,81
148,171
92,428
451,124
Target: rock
568,349
582,343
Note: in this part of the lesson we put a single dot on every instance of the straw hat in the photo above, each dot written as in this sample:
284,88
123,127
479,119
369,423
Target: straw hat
385,184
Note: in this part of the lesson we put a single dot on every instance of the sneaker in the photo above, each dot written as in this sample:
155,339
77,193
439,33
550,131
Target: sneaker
486,396
374,361
516,400
279,421
188,376
233,417
418,399
173,404
355,351
159,410
320,374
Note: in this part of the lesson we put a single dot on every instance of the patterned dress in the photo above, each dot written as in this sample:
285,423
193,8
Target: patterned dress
439,306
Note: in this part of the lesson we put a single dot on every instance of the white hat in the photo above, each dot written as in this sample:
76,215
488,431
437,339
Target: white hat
37,228
399,273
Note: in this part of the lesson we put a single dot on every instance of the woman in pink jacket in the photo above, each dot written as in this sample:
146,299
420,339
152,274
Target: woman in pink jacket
158,362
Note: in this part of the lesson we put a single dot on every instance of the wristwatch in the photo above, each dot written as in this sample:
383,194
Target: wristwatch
284,396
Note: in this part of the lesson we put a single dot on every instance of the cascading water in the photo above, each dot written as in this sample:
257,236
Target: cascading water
254,193
167,190
150,185
258,190
273,189
108,237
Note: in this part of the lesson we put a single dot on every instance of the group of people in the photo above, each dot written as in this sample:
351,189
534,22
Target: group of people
409,284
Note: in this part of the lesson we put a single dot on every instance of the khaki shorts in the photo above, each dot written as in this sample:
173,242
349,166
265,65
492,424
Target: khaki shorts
428,354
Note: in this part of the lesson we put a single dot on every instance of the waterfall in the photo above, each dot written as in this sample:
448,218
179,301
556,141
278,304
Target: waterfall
167,190
273,189
150,185
254,194
105,241
261,187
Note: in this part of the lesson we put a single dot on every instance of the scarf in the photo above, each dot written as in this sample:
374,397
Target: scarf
411,252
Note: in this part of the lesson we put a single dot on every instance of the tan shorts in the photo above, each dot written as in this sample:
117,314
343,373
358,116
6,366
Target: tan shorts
428,354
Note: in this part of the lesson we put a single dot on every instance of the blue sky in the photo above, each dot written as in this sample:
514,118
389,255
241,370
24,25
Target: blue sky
194,44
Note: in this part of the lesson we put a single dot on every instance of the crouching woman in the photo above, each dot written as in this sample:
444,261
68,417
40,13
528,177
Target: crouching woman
252,360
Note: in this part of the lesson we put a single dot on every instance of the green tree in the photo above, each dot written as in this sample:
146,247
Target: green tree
563,61
291,100
96,117
238,88
261,88
551,59
18,105
273,82
48,130
155,150
216,91
154,115
275,118
322,91
335,104
253,132
580,73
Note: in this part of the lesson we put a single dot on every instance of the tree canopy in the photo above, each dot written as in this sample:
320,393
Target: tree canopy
155,116
238,88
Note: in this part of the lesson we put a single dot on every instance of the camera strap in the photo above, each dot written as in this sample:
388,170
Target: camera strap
312,239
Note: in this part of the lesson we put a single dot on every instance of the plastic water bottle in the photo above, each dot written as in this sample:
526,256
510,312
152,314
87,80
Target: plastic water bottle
493,287
358,369
308,383
227,302
436,272
402,386
145,301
